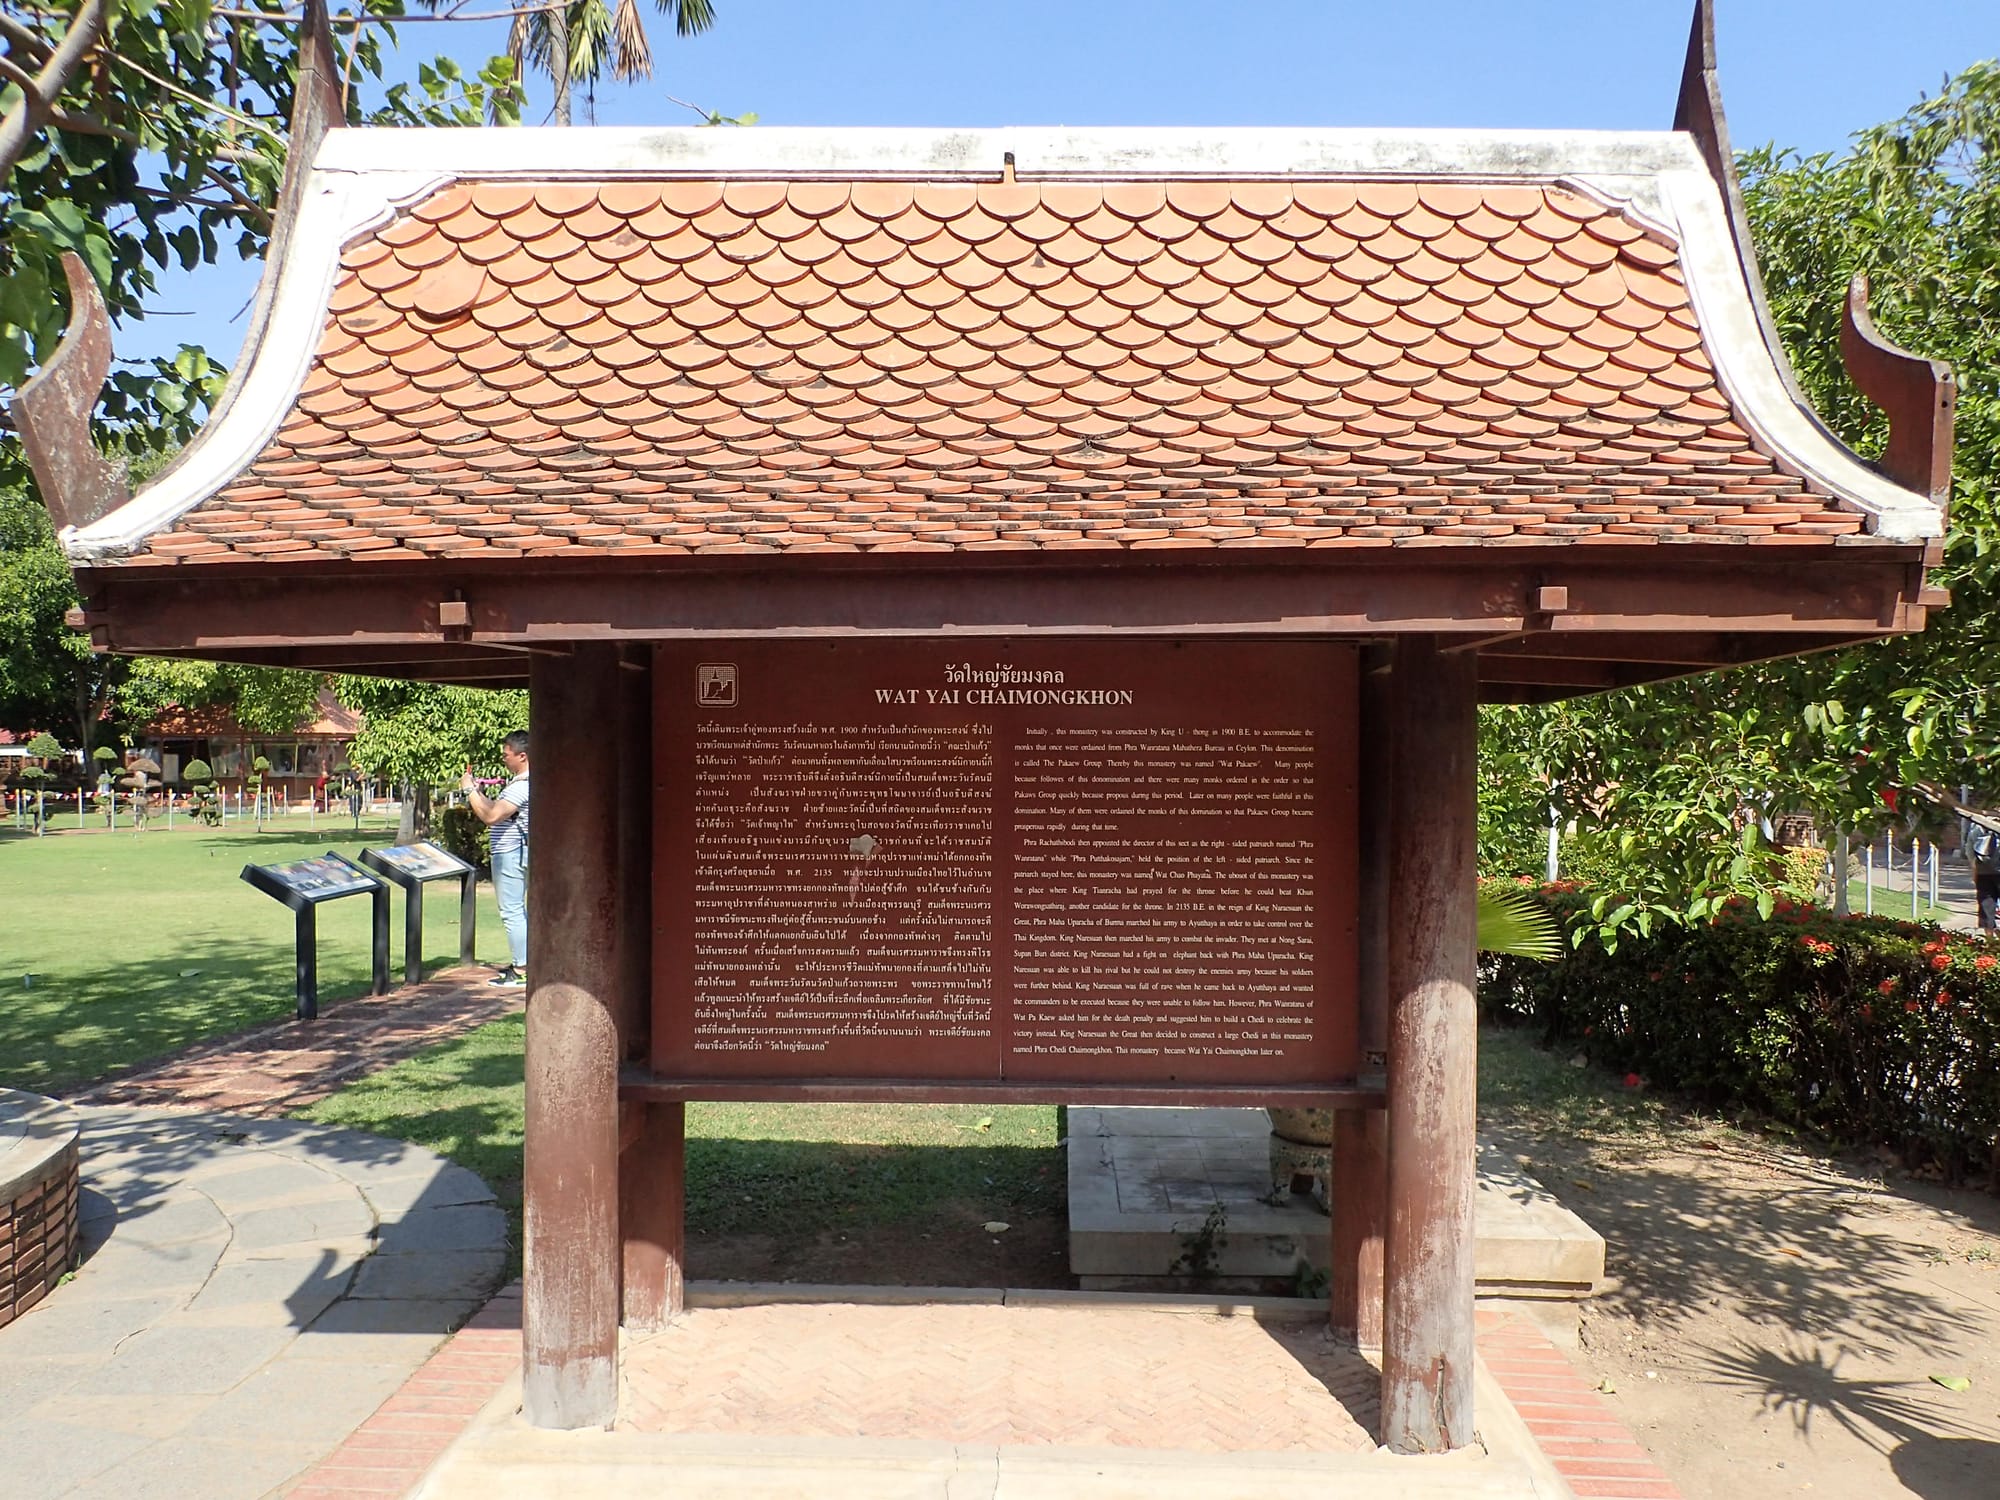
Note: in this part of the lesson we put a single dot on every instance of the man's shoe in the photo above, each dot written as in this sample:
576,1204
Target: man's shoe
509,978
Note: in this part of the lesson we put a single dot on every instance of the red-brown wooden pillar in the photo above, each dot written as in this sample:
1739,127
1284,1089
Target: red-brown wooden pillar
1360,1167
651,1171
569,1330
1433,1051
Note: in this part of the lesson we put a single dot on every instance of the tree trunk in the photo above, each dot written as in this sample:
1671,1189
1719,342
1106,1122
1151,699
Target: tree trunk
559,61
406,823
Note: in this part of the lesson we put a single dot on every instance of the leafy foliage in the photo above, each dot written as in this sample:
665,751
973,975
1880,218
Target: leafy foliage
151,134
1864,1029
1668,786
423,734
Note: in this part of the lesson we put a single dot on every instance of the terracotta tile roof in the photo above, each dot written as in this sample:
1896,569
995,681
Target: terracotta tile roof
681,365
331,719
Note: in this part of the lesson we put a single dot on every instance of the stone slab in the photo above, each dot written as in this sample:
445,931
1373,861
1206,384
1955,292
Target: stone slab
510,1458
33,1132
1142,1181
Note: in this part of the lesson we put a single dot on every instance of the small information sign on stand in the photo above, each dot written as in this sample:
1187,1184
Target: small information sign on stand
413,866
303,885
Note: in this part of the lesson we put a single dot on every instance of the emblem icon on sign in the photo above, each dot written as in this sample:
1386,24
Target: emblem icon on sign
715,684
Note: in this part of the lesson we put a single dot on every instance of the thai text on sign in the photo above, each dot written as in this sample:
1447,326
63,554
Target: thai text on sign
1068,861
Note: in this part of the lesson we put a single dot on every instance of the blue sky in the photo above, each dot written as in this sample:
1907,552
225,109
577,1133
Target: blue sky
1804,73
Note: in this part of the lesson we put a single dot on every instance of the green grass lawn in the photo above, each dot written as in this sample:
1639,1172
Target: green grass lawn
823,1166
1894,903
143,944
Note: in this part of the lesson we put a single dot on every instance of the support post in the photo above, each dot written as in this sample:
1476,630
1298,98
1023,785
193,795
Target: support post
652,1194
468,917
413,932
1360,1168
305,963
652,1188
1427,1353
569,1330
378,937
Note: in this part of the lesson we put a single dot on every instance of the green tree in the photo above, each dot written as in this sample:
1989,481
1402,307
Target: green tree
151,133
49,676
421,736
1668,784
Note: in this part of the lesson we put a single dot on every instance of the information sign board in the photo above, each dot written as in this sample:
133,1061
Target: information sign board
1060,860
303,885
413,866
422,861
307,881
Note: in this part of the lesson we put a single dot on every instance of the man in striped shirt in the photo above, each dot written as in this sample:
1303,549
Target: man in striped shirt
506,820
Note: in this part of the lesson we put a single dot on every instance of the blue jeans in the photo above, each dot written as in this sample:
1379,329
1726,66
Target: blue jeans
510,890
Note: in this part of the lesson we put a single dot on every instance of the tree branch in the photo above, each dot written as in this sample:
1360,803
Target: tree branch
12,72
26,119
26,38
280,18
64,119
220,111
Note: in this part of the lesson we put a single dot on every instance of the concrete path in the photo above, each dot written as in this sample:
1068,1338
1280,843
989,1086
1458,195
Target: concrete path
251,1291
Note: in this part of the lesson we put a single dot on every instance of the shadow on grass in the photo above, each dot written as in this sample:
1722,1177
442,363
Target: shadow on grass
807,1187
68,1030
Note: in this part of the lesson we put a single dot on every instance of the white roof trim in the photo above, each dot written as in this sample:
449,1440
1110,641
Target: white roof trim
1734,339
360,177
1037,151
334,209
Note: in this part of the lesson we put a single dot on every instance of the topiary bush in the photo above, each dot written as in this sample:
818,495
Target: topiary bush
203,801
1862,1029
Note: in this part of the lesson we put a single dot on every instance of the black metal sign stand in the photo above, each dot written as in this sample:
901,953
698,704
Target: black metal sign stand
302,886
413,866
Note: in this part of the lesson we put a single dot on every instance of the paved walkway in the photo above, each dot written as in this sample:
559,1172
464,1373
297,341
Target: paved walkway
251,1291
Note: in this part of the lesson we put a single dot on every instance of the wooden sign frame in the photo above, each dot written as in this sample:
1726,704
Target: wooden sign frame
1054,869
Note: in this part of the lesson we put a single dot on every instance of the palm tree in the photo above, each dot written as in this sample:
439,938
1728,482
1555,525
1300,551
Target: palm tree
1515,922
578,42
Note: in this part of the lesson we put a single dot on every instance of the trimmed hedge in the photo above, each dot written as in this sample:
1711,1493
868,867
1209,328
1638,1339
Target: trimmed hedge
1864,1030
459,830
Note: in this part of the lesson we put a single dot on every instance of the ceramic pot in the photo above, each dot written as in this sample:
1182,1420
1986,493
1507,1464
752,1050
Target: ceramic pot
1311,1127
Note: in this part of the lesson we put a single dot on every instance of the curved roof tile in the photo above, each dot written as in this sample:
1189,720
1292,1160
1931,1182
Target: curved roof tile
502,360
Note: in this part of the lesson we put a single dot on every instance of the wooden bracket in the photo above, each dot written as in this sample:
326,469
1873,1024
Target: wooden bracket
454,614
1920,395
52,412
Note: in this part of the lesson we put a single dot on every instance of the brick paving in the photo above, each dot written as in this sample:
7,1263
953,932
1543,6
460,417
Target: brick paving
992,1373
285,1065
1579,1430
389,1454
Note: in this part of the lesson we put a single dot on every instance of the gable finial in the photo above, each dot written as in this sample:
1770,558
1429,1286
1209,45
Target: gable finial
52,412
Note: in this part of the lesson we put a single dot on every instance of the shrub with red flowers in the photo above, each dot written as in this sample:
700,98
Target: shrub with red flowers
1865,1030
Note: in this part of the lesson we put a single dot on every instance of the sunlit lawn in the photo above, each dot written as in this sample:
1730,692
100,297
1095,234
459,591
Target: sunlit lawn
139,945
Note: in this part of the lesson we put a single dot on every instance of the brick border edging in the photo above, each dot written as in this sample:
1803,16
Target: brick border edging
40,1223
391,1452
1580,1432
